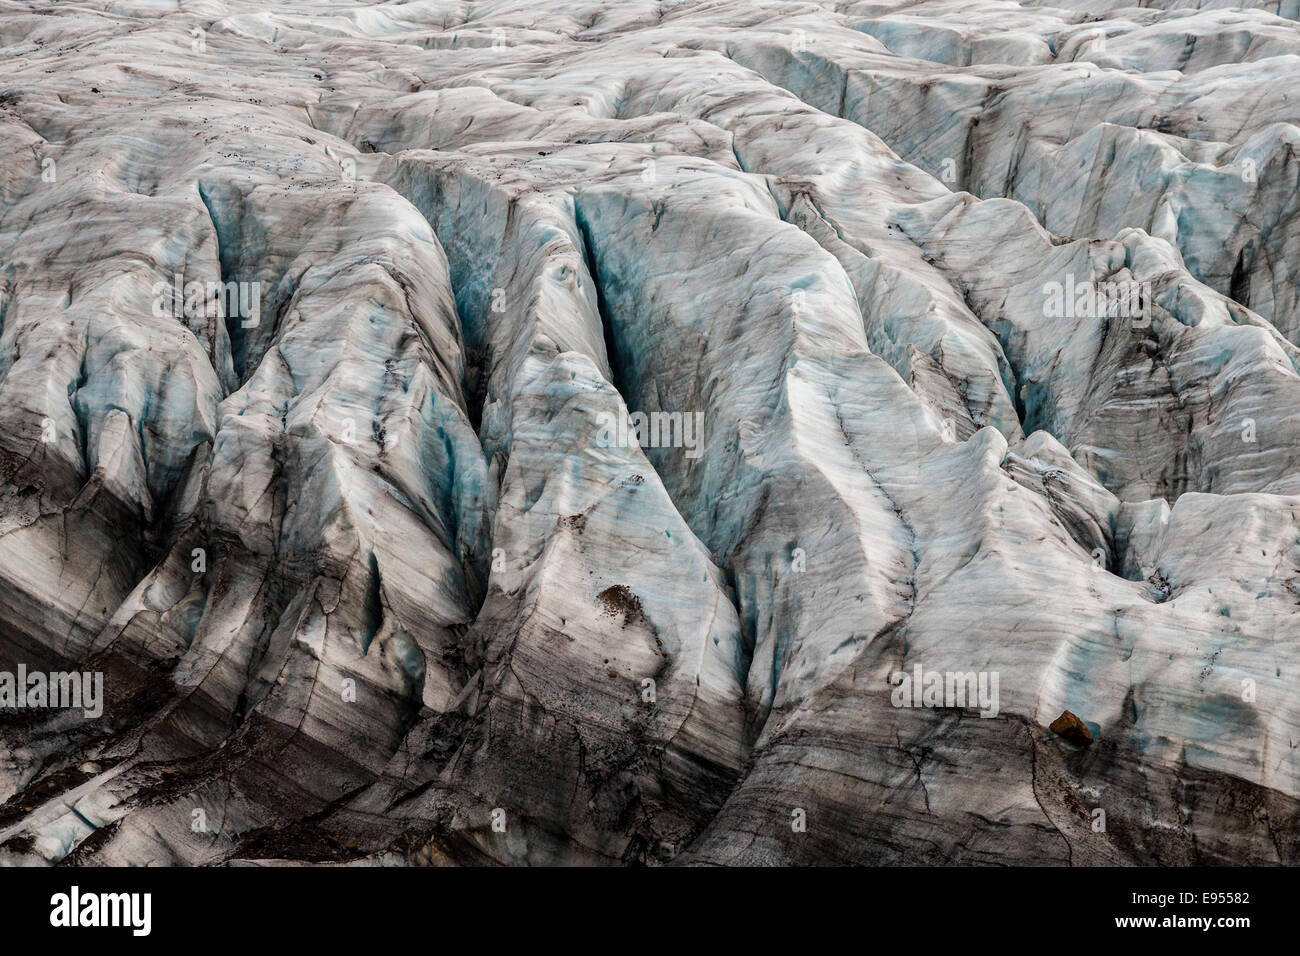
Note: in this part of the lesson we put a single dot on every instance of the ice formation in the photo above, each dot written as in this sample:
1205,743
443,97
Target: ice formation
313,322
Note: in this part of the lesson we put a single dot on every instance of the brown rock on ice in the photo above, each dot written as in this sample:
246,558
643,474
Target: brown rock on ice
1071,728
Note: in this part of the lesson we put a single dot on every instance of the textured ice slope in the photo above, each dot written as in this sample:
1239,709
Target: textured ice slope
367,573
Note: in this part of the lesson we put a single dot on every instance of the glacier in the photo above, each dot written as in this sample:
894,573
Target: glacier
344,534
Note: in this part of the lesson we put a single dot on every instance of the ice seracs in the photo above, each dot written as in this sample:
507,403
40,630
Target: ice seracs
947,339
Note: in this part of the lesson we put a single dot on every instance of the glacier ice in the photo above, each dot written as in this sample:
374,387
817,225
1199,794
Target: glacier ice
364,580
